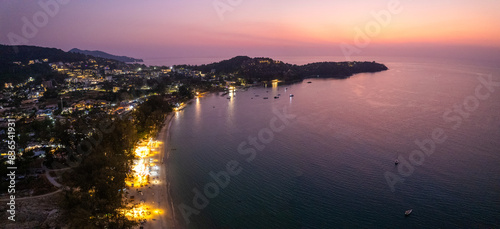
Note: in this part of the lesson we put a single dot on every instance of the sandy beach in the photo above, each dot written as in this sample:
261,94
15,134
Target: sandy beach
157,194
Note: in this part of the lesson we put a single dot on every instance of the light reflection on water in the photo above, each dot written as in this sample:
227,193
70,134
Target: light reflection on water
326,168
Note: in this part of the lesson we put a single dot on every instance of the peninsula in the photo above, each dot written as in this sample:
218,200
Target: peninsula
266,69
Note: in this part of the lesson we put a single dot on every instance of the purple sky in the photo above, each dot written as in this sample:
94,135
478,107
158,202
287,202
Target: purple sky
189,28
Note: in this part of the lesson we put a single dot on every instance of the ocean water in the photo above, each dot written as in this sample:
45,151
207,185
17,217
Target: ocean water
326,165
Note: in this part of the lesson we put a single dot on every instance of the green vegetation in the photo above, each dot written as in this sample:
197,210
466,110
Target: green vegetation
97,185
266,69
83,91
22,70
150,115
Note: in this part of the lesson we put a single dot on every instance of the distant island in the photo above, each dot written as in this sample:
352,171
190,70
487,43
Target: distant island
265,69
102,54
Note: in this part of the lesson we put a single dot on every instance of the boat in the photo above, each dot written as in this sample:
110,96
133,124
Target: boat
408,212
309,82
266,98
291,95
396,162
276,97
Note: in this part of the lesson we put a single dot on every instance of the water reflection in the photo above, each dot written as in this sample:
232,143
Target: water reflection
275,88
197,110
177,115
231,106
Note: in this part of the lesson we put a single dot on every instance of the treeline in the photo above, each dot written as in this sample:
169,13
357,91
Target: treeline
97,184
338,69
150,115
266,69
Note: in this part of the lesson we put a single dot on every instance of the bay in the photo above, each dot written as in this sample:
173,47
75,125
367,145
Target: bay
326,168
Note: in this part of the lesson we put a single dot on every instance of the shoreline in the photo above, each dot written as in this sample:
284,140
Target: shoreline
163,200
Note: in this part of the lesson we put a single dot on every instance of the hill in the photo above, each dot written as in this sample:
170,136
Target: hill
24,53
102,54
265,69
15,66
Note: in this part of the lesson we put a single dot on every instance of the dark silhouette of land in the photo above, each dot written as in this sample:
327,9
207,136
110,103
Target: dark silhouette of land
265,69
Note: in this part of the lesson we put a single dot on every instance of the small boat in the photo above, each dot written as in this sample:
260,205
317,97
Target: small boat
291,95
266,98
408,212
396,162
309,82
276,97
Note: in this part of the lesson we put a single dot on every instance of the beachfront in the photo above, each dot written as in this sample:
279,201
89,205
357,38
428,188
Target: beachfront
149,190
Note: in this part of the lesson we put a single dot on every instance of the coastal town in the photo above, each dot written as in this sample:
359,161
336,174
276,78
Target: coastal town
71,115
55,114
77,94
249,114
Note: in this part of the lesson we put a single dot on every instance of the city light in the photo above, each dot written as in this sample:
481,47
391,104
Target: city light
142,151
141,212
142,165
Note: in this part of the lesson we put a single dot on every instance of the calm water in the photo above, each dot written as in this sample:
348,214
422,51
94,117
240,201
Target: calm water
326,168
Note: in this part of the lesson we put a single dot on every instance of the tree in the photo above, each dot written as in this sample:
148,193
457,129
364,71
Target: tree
97,183
185,92
50,94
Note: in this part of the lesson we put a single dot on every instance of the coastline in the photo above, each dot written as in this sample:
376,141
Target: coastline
164,200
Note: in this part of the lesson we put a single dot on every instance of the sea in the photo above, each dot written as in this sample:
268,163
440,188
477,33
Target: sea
325,158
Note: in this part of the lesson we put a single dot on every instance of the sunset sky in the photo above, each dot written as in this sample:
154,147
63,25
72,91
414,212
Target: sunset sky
189,28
